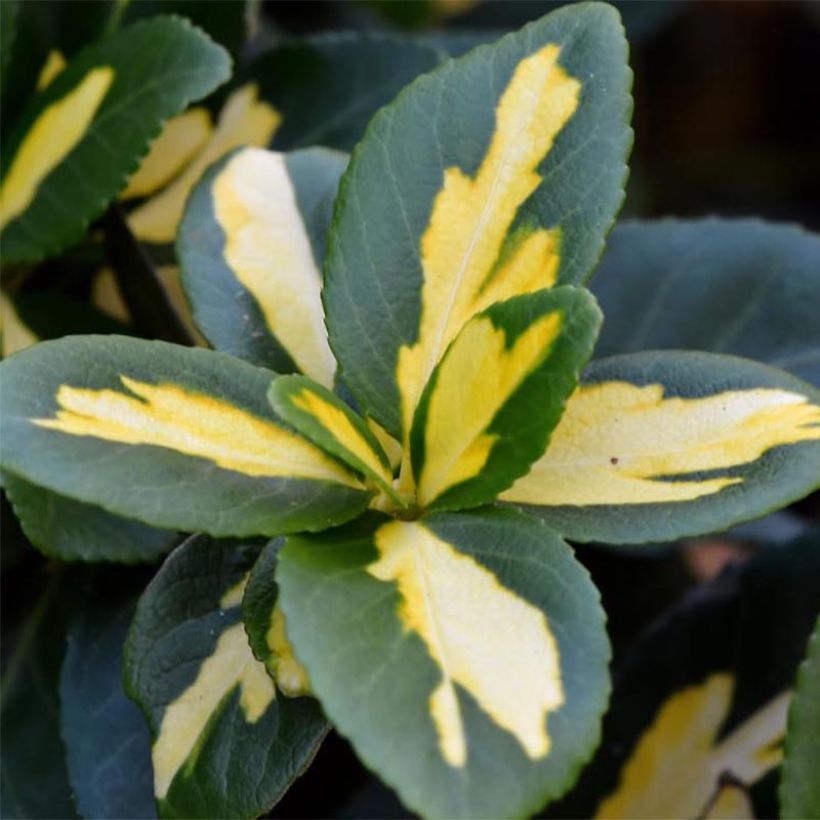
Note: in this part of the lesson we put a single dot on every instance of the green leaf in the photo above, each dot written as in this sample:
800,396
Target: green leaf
72,531
265,625
740,286
224,744
107,741
328,422
328,86
176,437
800,784
427,232
490,406
78,141
251,246
701,699
658,446
457,652
33,774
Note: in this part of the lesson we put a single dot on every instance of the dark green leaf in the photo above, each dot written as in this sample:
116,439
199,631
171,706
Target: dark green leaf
106,737
463,655
224,743
800,783
33,774
176,437
741,286
661,445
72,531
251,246
328,86
427,232
106,106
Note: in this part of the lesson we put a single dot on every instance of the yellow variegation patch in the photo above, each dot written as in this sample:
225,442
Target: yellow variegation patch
478,375
54,64
51,138
268,249
231,664
180,139
243,121
291,677
677,763
481,635
469,257
167,415
617,442
338,425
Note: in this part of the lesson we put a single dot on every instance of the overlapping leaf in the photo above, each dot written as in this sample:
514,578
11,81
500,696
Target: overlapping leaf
265,625
701,700
79,139
491,404
107,743
74,531
656,446
175,437
457,652
495,175
742,287
251,246
224,744
327,86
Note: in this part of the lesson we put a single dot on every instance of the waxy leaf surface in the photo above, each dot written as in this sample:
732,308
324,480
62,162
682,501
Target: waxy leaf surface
175,437
327,86
224,744
656,446
740,286
80,138
328,422
456,652
495,175
251,246
499,390
73,531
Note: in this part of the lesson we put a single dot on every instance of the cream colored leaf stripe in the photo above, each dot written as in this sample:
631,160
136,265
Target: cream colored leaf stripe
268,249
57,130
193,423
478,375
231,664
619,443
481,635
469,258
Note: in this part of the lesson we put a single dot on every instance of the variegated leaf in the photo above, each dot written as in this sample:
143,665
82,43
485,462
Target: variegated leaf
80,138
251,247
224,744
495,175
176,437
656,446
457,652
491,404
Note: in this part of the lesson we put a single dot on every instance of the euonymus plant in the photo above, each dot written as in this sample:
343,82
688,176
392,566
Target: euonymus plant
381,528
